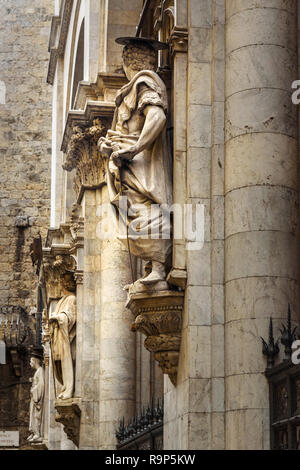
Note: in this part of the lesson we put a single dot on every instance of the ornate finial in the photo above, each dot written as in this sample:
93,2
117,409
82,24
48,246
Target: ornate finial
271,349
288,336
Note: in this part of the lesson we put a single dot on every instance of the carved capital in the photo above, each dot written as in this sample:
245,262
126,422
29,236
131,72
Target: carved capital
68,414
159,317
84,156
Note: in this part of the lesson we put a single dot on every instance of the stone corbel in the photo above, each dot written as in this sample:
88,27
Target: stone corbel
158,315
84,156
68,414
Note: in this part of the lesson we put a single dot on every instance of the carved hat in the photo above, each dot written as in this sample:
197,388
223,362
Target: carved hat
36,352
156,45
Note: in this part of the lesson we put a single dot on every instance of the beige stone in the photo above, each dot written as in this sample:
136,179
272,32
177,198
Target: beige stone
200,49
198,348
198,306
218,431
218,395
236,6
245,430
244,349
256,159
260,110
217,350
242,392
261,297
199,73
199,121
258,208
260,66
261,26
261,254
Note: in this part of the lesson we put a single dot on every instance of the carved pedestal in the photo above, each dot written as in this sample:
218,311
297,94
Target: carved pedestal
159,317
34,446
68,414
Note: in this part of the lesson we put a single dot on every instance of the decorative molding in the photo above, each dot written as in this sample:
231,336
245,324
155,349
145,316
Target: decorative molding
58,37
104,89
84,118
159,317
68,414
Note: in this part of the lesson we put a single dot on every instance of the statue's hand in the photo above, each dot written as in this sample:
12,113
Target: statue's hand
105,146
53,319
125,155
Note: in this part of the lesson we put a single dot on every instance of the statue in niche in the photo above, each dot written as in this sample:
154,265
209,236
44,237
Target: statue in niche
36,399
62,325
139,165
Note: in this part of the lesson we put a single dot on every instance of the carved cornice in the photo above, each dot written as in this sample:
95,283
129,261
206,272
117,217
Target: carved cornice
58,36
68,414
159,317
84,118
104,89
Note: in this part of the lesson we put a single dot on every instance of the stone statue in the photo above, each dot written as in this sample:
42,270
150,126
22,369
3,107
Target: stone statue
139,165
37,399
62,334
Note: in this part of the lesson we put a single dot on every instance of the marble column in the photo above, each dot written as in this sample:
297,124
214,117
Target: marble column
116,341
88,321
261,203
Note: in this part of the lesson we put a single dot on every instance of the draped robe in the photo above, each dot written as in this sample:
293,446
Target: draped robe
62,334
36,402
146,179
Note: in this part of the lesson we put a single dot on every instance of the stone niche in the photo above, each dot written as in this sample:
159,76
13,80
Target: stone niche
158,315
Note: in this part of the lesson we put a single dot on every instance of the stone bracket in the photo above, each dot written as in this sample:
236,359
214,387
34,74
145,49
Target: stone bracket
158,315
68,414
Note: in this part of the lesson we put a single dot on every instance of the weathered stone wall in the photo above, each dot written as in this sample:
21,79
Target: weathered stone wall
25,142
25,146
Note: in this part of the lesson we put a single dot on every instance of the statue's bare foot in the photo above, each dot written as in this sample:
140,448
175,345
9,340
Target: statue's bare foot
157,274
30,437
65,395
36,438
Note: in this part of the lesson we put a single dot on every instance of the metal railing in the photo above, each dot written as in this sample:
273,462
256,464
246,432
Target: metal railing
144,431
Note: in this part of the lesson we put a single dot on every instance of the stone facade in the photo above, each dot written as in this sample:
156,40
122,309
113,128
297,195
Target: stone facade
233,133
25,149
